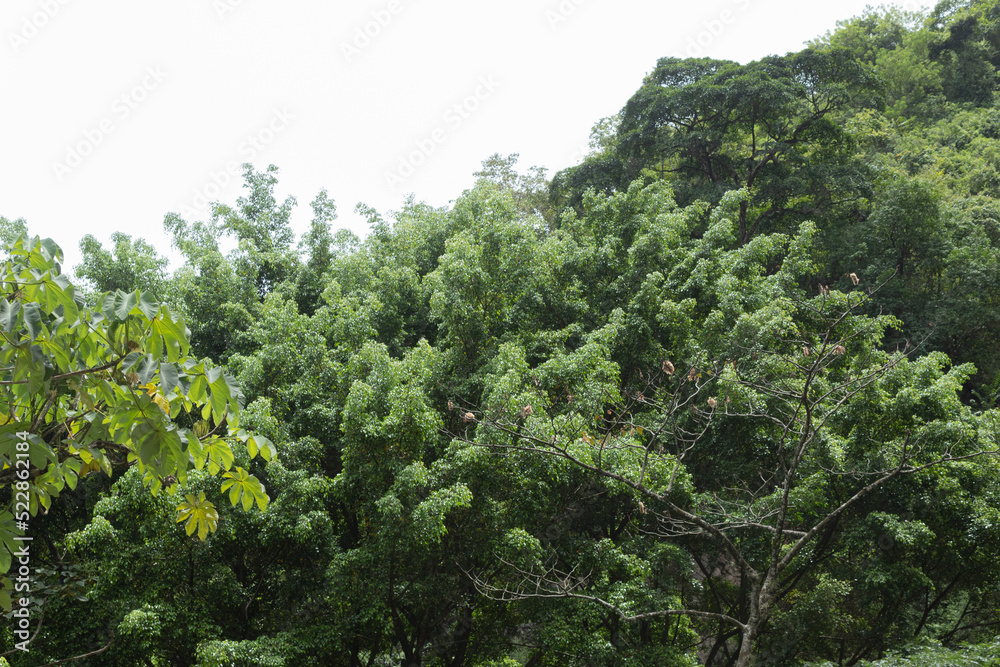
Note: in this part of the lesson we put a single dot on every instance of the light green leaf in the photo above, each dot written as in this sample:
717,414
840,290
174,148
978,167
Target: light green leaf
219,455
199,514
147,306
220,395
124,303
245,487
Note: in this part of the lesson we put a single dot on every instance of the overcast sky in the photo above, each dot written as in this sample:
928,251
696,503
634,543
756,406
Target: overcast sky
117,112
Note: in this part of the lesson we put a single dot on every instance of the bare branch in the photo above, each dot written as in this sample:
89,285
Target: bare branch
554,585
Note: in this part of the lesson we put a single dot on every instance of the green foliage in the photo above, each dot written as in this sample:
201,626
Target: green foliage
530,190
199,514
263,258
219,293
318,242
708,127
264,652
707,397
11,230
132,265
90,389
932,654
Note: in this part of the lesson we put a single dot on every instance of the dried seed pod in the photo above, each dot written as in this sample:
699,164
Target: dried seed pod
840,349
468,417
642,508
712,403
805,351
525,411
451,406
668,367
823,289
692,374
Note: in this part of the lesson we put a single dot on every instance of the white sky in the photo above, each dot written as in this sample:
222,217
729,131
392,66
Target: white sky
119,111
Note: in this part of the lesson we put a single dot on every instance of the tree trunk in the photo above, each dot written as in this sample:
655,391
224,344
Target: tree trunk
745,658
761,597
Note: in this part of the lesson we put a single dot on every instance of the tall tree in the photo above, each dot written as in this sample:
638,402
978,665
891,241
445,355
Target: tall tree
768,126
262,231
130,265
219,292
318,244
530,190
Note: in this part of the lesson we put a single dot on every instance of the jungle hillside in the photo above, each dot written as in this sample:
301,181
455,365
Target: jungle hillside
724,393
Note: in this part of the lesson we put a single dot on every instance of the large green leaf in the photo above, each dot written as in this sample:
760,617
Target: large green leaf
220,395
199,390
108,307
169,377
129,362
244,487
8,545
257,444
33,320
146,369
9,314
219,455
51,250
148,306
124,303
199,514
168,335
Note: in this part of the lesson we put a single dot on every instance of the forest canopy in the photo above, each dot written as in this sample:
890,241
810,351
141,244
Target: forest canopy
724,393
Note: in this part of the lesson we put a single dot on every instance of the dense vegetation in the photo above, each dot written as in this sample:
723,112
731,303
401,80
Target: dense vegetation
725,393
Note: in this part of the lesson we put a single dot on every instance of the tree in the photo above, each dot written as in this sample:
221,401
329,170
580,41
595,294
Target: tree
874,32
216,302
318,242
219,292
774,429
131,265
263,257
106,388
967,46
530,190
714,126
